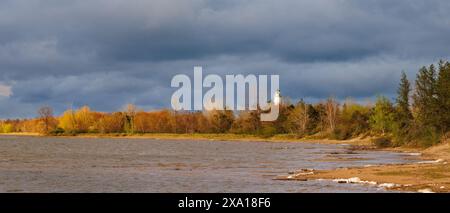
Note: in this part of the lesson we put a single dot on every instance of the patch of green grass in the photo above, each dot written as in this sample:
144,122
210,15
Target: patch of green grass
437,172
434,174
395,173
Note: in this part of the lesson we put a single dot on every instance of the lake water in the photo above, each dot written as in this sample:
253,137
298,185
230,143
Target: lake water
38,164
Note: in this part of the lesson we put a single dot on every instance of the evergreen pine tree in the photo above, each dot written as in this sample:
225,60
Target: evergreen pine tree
404,115
443,96
425,97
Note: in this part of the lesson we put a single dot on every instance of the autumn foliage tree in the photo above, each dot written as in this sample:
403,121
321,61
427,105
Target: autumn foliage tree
332,110
46,118
298,119
111,123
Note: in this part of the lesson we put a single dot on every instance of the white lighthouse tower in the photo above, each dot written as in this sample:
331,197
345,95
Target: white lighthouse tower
277,98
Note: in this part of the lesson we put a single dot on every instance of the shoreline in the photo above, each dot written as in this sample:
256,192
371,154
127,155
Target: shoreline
431,175
206,137
428,176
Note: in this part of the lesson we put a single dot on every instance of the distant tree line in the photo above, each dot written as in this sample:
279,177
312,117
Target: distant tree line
419,117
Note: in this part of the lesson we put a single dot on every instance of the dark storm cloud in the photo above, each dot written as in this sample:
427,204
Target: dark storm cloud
106,53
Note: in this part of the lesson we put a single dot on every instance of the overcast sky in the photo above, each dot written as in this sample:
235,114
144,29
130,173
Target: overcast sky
106,53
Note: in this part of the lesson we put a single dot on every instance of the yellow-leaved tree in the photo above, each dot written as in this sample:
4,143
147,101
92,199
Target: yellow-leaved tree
67,121
84,118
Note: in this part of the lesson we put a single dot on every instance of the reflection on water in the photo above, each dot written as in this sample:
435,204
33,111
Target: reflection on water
35,164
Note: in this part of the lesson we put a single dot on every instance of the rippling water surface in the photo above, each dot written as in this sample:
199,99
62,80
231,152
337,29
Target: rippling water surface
37,164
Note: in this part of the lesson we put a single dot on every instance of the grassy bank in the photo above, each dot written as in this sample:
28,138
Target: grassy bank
210,137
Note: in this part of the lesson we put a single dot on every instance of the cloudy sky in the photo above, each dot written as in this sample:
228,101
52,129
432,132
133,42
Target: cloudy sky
106,53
